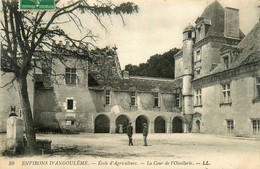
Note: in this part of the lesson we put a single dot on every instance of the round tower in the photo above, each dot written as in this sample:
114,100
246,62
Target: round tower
188,74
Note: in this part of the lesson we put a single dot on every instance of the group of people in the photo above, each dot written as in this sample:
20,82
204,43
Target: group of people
129,133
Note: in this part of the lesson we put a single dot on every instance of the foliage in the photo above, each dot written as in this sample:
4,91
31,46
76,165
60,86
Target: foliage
25,36
159,65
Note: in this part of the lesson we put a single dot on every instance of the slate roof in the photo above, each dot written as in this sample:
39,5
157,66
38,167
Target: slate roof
249,50
179,53
145,84
215,13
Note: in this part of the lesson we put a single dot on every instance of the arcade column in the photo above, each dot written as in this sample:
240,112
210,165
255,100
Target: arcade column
112,127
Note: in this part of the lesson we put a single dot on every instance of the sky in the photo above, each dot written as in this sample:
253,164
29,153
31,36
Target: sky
158,26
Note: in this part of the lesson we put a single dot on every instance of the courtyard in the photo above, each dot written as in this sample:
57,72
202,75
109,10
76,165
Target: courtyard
163,151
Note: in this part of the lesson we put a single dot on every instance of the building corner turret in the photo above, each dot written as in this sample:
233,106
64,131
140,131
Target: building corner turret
188,42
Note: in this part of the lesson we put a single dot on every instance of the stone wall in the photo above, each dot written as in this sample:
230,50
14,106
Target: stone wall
178,70
241,110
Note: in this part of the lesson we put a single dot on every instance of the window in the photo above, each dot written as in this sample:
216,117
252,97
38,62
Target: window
70,103
198,100
107,97
198,71
69,123
198,55
189,35
133,96
226,93
257,87
256,127
20,113
230,126
70,75
177,99
226,62
156,99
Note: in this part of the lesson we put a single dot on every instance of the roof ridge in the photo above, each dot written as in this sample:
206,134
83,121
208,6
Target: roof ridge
215,7
152,78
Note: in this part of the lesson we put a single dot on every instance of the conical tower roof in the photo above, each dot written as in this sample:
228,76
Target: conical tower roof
215,13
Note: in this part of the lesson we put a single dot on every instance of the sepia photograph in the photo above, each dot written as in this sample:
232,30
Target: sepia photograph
115,84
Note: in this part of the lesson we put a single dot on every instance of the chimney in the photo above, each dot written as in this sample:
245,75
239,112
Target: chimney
231,26
125,75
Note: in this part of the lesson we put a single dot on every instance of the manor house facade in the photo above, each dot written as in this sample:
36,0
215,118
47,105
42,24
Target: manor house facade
221,76
216,89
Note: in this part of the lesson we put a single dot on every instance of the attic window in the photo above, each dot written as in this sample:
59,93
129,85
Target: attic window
226,62
189,35
133,98
70,76
156,99
107,97
177,100
197,55
198,71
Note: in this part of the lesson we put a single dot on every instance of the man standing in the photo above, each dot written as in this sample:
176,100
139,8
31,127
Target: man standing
145,133
130,133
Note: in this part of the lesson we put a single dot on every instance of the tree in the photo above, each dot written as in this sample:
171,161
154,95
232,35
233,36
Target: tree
25,33
158,65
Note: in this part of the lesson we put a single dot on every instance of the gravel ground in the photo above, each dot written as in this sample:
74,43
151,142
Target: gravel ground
163,151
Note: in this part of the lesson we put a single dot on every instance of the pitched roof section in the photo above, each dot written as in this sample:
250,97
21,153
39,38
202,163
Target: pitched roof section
215,13
145,84
249,49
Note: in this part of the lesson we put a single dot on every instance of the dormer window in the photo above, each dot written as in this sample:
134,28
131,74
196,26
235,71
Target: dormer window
189,35
156,100
107,98
226,62
198,71
197,55
177,100
133,98
70,76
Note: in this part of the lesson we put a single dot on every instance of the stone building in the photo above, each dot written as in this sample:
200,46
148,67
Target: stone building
216,89
98,97
220,72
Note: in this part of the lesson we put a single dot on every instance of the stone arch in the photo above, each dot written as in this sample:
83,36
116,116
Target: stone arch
140,120
122,120
102,124
159,125
177,125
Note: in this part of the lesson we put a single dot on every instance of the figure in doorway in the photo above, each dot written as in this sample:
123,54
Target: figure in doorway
130,133
145,133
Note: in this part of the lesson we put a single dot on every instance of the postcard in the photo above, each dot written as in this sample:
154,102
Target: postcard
130,84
